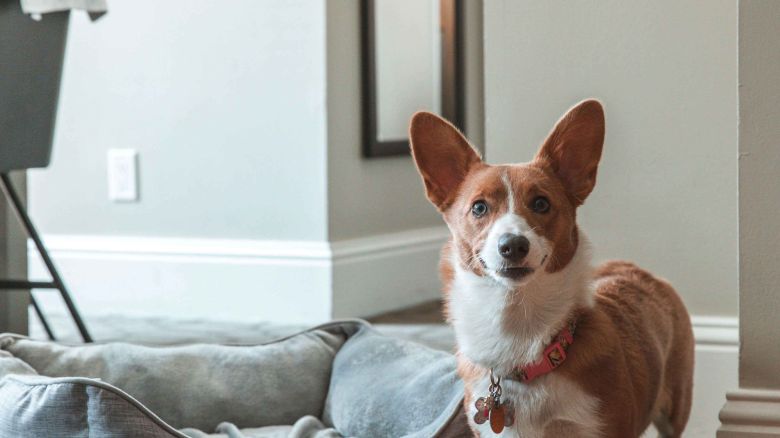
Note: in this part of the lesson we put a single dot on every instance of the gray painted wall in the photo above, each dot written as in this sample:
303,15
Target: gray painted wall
368,197
759,194
666,72
247,120
364,196
226,105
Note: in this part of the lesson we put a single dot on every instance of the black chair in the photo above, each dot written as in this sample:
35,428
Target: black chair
31,55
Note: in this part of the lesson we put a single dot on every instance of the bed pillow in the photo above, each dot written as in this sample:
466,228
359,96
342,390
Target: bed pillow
201,386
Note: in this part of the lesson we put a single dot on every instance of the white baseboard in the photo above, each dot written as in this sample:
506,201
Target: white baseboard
191,278
244,280
715,331
382,273
717,357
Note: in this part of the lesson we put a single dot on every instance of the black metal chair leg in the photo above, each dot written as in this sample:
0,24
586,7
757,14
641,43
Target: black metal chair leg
42,318
29,228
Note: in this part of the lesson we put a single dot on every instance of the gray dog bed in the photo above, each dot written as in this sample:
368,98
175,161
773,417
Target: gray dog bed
339,379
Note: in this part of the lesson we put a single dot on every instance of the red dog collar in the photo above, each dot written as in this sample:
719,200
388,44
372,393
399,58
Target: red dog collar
554,355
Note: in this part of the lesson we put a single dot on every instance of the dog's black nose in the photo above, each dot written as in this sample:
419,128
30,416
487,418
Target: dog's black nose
513,247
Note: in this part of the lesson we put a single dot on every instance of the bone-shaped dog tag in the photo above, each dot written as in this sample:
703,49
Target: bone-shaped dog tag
509,415
483,405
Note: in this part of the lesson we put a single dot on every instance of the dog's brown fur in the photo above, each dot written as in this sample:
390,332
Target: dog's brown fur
634,348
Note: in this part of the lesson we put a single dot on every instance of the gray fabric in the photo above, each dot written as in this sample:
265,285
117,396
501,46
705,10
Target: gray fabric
387,387
193,385
305,427
342,378
10,364
36,406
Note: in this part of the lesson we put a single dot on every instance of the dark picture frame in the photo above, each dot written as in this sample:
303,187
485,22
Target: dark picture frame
452,76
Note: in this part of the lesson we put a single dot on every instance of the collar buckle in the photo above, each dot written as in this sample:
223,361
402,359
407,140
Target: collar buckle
555,355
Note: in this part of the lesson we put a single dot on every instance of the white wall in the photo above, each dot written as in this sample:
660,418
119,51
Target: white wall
408,63
368,197
365,197
759,197
666,73
215,98
254,193
226,104
380,203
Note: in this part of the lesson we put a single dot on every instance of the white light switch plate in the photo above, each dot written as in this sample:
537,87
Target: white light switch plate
123,175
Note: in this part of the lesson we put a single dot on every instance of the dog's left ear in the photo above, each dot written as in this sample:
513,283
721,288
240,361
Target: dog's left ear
573,148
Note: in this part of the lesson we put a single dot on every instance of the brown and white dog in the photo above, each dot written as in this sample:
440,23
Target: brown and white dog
517,274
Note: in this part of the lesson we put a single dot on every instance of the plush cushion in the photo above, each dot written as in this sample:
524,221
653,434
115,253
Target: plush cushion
388,387
305,427
341,379
36,406
201,386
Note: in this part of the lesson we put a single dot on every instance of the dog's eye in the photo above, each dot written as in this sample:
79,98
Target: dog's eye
540,204
479,208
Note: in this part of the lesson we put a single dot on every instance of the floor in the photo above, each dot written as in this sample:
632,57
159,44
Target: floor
425,313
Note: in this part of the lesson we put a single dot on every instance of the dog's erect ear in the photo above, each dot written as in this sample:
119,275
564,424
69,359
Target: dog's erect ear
443,156
573,148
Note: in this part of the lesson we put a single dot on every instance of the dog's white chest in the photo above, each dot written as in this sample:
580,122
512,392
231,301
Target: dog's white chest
536,406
